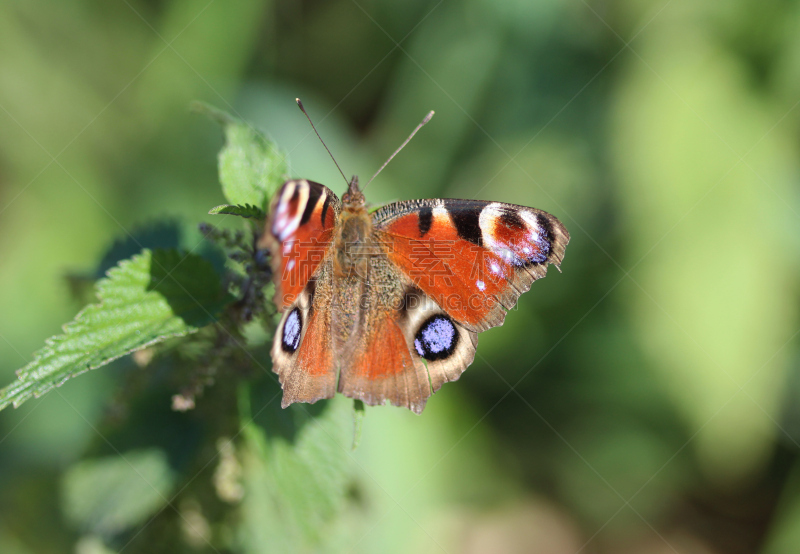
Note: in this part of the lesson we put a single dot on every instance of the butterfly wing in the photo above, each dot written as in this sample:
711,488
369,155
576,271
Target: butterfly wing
472,258
436,341
302,350
399,346
299,234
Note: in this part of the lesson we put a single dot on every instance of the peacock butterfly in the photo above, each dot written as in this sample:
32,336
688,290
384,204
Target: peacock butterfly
387,305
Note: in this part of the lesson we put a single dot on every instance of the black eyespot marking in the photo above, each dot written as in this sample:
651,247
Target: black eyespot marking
537,246
466,219
437,338
547,229
325,207
291,331
512,220
313,197
425,220
544,241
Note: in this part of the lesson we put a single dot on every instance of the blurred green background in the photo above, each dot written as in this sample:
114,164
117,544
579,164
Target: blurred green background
645,400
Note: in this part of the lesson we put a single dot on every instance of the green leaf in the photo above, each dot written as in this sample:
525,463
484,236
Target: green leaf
251,168
296,482
242,211
151,297
109,495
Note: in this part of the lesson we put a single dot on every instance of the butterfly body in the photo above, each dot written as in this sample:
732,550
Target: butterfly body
387,306
353,243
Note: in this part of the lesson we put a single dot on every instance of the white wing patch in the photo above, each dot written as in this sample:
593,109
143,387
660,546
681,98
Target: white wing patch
289,209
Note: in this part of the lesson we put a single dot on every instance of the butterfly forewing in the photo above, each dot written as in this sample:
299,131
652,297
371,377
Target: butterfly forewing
299,234
473,258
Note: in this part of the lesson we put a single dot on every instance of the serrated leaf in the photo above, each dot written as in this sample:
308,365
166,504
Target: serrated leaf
251,167
151,297
242,211
296,486
109,495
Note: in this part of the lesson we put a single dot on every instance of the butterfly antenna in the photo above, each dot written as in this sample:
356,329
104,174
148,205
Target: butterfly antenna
414,132
300,104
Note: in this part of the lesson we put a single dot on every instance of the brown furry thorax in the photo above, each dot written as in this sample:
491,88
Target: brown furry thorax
353,236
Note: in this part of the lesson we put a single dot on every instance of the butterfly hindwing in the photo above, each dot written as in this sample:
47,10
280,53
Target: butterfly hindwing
402,346
376,363
434,339
302,351
473,258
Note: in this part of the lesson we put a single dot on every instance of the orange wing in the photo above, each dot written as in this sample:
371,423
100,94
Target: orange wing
299,233
302,351
473,258
382,369
398,346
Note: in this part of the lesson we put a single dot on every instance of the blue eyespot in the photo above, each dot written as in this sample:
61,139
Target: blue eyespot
437,338
291,331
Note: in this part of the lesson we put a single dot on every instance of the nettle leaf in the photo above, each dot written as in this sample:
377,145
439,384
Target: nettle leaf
112,494
297,484
242,211
144,300
251,167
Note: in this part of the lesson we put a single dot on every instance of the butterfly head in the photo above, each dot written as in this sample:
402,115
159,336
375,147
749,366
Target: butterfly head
353,197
